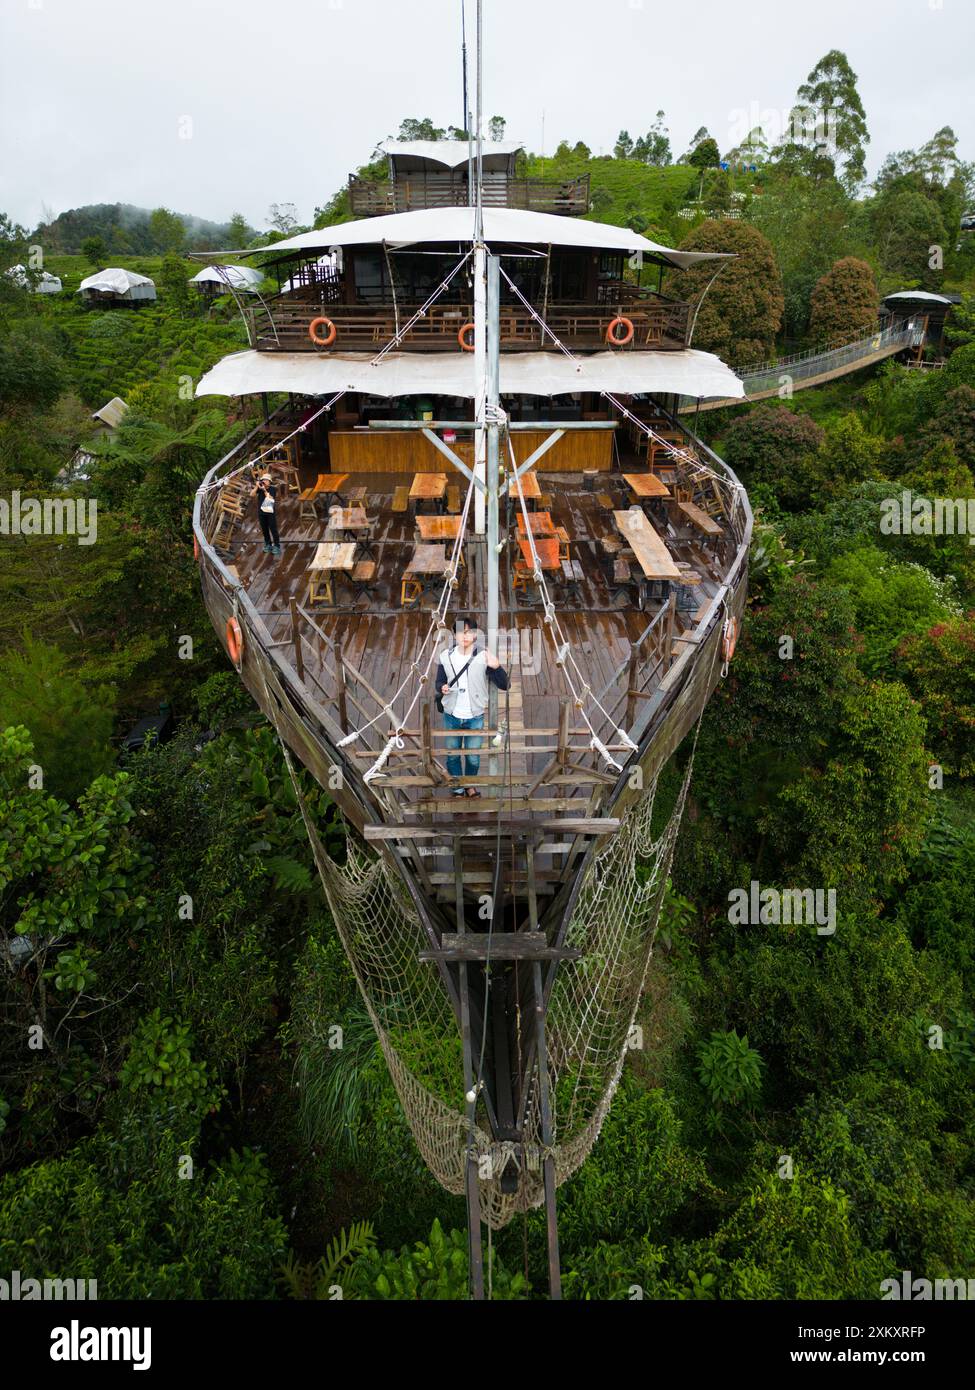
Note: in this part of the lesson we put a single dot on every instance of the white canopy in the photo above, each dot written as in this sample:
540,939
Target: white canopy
685,373
121,282
918,294
241,277
501,225
450,153
47,284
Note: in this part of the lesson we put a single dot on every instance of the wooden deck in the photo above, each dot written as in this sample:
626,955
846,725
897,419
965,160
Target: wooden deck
380,639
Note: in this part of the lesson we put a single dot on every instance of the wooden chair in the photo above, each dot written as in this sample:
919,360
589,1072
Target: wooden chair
230,510
401,499
544,503
356,496
564,543
411,591
605,501
453,499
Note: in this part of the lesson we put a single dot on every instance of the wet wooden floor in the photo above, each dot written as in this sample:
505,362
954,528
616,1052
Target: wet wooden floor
382,640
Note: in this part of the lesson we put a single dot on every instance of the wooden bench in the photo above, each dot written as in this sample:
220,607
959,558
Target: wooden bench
363,578
621,571
453,499
356,496
401,499
564,542
604,500
544,501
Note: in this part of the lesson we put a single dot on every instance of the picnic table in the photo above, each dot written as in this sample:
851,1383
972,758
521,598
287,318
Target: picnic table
646,485
326,485
428,487
541,524
438,528
652,555
426,562
329,557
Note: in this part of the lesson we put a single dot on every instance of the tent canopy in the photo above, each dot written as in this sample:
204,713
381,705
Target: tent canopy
240,277
501,226
450,154
686,373
124,283
46,283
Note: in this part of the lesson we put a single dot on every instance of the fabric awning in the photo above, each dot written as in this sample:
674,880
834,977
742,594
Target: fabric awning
240,277
685,373
502,226
115,280
451,154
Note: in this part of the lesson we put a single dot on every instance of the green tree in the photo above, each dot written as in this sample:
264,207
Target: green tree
94,250
496,126
845,302
239,232
908,226
70,722
705,155
623,149
773,445
832,116
167,230
741,312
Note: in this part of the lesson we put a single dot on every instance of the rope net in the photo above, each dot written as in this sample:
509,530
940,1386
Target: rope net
590,1015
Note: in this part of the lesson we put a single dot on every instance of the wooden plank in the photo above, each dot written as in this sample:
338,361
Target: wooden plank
428,487
646,485
438,528
655,559
700,519
570,825
334,555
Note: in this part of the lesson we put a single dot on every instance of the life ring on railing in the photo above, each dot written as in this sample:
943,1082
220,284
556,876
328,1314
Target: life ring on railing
611,335
729,640
235,642
330,336
462,337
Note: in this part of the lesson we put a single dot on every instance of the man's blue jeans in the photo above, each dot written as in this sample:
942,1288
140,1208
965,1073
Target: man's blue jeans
472,763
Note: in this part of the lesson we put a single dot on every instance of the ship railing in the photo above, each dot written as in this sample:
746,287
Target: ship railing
412,192
658,325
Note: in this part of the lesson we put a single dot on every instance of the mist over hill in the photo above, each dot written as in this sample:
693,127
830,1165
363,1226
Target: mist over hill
124,229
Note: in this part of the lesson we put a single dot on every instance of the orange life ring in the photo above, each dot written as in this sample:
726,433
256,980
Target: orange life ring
330,336
611,337
235,641
462,337
729,639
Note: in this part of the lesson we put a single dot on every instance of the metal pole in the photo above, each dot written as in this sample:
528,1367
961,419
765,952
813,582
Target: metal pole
491,480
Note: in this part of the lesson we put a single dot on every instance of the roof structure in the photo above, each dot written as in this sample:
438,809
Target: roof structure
46,284
451,154
686,373
239,277
501,226
125,283
112,412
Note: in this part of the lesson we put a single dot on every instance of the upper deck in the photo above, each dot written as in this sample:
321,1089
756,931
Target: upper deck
339,657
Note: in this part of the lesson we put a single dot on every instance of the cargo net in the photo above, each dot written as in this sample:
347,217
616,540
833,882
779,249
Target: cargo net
590,1015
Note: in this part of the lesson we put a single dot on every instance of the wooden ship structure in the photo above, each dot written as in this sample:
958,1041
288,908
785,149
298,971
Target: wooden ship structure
470,405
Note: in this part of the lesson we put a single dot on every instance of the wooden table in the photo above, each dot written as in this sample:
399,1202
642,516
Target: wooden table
541,524
700,519
652,555
326,485
426,561
330,482
547,550
646,485
428,487
530,486
329,557
438,528
347,518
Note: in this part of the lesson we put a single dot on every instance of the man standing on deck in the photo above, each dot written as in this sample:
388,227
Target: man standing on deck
462,682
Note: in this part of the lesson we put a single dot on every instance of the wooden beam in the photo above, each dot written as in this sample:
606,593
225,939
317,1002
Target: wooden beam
570,825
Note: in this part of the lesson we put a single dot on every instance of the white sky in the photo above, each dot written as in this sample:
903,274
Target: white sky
285,98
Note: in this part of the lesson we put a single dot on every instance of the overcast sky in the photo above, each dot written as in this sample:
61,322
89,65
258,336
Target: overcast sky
216,106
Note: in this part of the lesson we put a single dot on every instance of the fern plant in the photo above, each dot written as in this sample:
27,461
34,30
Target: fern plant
320,1281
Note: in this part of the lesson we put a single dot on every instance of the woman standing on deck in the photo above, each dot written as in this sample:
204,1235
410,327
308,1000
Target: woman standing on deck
462,682
266,494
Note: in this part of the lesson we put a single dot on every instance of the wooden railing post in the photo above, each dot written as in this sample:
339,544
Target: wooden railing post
668,652
296,638
631,680
340,681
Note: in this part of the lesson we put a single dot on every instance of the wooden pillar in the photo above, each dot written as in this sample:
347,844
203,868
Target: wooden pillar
340,682
296,638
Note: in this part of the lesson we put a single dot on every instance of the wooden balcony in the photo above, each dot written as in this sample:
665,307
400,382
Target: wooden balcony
417,191
282,326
